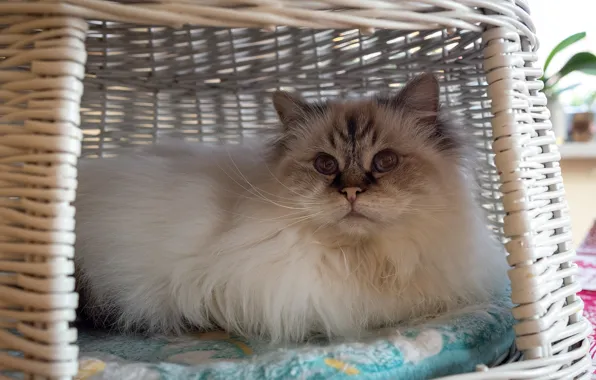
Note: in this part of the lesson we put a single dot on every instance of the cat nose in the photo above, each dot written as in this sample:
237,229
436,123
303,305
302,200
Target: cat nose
351,193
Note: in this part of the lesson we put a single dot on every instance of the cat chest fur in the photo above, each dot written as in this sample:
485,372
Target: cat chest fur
341,289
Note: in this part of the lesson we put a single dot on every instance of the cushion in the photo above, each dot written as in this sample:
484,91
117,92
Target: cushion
436,348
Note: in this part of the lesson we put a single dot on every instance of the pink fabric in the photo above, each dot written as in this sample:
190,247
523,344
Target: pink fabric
586,260
589,298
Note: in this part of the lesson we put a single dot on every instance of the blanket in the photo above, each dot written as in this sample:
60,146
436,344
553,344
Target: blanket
426,351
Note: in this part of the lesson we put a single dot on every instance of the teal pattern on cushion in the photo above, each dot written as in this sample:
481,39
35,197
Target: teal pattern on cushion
427,351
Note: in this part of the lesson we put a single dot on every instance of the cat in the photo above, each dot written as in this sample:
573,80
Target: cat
359,214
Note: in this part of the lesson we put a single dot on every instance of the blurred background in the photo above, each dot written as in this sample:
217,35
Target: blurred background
567,33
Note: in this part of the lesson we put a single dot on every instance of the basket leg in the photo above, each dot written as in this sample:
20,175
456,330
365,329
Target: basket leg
549,313
40,141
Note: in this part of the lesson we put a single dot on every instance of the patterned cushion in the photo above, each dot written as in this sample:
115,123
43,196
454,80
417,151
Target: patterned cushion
431,350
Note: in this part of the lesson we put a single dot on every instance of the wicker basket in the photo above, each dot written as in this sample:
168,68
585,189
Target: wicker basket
146,73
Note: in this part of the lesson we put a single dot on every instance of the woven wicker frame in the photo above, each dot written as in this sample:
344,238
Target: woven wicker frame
146,74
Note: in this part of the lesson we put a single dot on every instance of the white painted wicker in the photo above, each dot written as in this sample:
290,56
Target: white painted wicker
148,74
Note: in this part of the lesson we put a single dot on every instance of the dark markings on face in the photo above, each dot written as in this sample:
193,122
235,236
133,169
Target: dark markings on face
341,130
367,128
359,124
352,130
331,139
351,124
352,178
337,181
375,136
370,178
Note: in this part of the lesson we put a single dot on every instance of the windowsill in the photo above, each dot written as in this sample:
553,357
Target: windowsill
578,150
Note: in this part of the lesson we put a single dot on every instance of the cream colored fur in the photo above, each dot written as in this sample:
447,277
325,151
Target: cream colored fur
229,237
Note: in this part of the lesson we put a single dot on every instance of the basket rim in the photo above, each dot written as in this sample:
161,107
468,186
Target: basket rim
474,15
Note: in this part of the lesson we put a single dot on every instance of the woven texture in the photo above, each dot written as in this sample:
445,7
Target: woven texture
41,68
321,14
146,80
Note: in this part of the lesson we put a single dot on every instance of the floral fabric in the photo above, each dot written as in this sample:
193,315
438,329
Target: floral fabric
428,351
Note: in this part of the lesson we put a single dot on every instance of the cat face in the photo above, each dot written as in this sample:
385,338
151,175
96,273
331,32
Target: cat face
358,166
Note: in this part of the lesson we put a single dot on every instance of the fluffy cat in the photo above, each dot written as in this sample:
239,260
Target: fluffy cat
360,214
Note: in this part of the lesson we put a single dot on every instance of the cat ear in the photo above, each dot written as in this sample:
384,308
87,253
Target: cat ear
420,94
289,106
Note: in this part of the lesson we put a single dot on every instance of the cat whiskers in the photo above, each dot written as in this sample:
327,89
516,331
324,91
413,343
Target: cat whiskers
346,265
423,209
282,217
274,177
321,227
296,205
244,177
269,236
258,194
289,189
258,198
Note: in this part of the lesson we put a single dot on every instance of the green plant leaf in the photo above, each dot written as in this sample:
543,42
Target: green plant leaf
562,90
584,62
562,45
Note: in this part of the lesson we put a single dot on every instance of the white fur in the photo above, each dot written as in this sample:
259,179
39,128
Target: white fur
177,234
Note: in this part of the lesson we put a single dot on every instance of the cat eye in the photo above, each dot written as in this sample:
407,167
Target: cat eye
385,161
326,164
